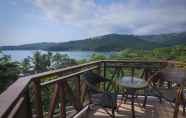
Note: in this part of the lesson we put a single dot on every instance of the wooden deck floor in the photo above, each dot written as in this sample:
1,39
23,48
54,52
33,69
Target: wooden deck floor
153,110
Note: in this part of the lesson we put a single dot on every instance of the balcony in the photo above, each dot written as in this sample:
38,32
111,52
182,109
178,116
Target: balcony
62,93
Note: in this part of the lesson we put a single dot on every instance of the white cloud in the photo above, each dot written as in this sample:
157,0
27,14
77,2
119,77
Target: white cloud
134,16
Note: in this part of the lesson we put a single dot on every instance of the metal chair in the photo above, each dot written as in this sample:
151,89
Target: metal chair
184,101
168,85
98,97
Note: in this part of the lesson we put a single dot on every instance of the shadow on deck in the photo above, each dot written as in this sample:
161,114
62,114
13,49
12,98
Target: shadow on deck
154,109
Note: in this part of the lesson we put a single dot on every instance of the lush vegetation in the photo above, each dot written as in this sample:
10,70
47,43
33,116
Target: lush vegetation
9,71
110,42
40,62
176,53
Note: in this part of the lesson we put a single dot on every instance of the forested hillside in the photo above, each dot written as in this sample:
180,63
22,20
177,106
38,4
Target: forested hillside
110,42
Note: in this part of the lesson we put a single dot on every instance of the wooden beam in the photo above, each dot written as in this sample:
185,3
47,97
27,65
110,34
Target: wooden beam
179,93
67,76
53,100
38,98
82,113
78,93
10,97
62,99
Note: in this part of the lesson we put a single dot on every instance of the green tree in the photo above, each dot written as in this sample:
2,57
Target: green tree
41,62
62,60
25,65
96,57
9,71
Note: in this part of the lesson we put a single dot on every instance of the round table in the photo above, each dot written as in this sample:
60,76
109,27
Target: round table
132,84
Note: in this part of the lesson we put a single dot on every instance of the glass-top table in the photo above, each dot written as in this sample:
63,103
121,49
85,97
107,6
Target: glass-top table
132,84
129,82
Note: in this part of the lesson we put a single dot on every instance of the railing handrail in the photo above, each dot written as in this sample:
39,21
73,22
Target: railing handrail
58,71
9,97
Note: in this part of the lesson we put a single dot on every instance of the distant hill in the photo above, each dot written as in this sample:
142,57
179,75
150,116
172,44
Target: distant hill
168,39
110,42
33,46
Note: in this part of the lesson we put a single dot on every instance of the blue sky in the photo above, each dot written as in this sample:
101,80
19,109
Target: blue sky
30,21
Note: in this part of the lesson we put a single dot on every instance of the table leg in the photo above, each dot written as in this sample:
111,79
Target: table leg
132,105
122,98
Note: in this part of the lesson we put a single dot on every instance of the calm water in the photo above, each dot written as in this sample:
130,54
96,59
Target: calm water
19,55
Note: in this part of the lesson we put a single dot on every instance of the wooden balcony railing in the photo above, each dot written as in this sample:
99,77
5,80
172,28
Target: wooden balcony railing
64,87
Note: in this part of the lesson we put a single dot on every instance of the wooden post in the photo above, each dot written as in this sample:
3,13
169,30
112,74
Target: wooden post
62,95
146,73
104,69
100,85
132,72
179,93
78,93
99,68
39,109
104,74
29,109
53,100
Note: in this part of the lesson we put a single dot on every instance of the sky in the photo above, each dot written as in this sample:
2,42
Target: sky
31,21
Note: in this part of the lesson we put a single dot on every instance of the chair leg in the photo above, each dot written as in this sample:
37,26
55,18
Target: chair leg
184,104
113,113
125,101
160,99
145,101
121,101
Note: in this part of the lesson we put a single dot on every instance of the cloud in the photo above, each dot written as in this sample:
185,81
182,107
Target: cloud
130,16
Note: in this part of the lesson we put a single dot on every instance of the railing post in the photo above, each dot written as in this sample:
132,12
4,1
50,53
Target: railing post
62,95
99,68
38,98
146,74
104,74
104,69
179,93
53,100
29,109
78,93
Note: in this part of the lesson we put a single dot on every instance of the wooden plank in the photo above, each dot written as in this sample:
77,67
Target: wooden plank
82,113
38,98
62,99
78,93
10,97
53,101
59,71
178,101
83,92
154,109
72,96
134,61
16,108
67,76
28,104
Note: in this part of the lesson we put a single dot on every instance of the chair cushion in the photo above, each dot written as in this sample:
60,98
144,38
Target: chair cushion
104,100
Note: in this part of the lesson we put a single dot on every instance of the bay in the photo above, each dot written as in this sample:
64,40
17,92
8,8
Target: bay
19,55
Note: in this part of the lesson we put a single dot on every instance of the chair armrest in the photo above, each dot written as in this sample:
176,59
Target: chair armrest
93,88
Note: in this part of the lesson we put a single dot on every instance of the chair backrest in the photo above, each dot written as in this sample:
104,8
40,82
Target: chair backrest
174,74
93,78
